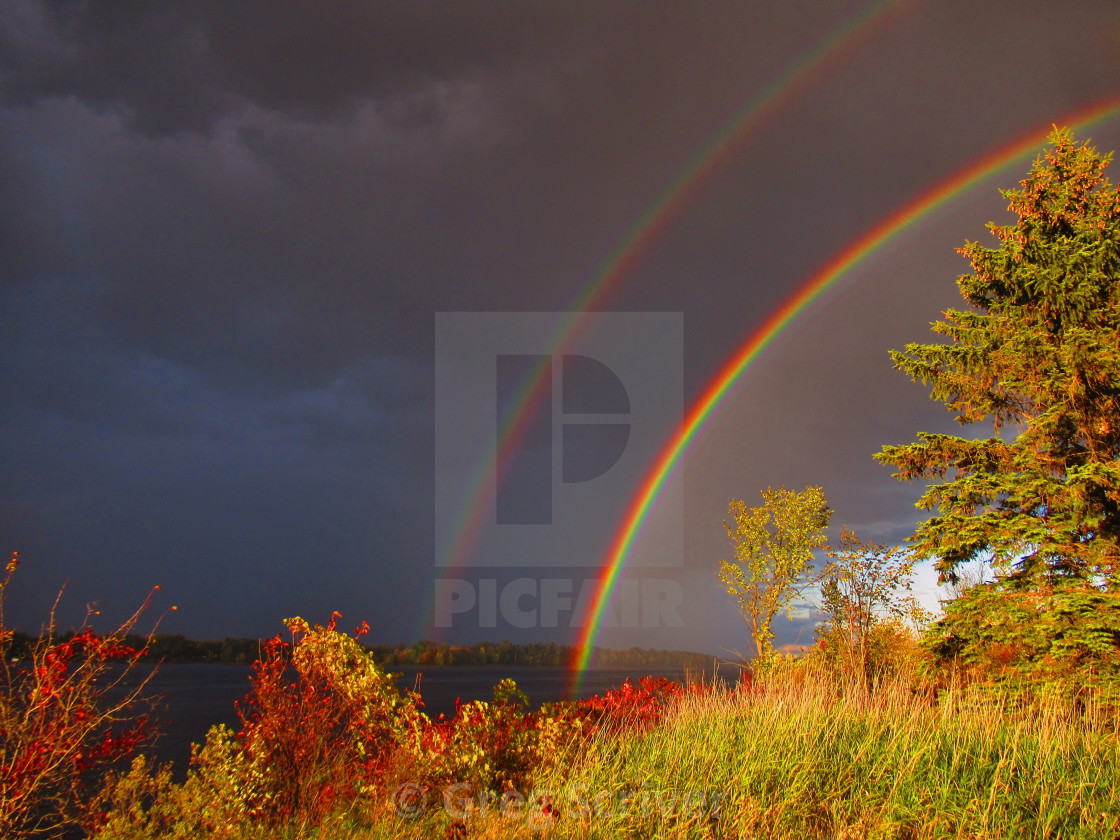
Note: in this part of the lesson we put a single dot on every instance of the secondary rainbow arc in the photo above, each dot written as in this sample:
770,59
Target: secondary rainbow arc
679,191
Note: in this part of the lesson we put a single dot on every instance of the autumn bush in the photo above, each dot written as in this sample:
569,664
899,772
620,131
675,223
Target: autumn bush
317,728
890,652
68,709
488,746
326,735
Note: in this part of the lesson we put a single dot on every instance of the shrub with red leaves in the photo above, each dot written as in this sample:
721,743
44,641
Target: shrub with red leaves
630,707
325,731
67,712
317,723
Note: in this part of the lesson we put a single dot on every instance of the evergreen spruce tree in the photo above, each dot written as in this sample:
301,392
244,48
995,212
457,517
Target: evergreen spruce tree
1037,355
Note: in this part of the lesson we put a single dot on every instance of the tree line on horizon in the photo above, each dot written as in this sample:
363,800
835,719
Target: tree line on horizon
534,654
174,648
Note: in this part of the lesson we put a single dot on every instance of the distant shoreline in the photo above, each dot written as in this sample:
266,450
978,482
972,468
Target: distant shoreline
176,649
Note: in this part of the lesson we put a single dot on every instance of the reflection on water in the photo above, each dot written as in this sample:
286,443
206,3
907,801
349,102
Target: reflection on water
192,699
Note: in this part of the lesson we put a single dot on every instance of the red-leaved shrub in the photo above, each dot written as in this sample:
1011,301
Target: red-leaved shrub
67,711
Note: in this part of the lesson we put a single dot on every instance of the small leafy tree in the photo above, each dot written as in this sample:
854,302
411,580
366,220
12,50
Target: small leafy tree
866,587
1037,354
773,563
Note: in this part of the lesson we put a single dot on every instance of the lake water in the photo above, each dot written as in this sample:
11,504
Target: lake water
196,697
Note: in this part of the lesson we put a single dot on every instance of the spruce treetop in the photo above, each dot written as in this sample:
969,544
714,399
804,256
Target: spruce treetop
1036,354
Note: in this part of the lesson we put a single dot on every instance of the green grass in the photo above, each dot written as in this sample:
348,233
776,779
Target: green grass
803,760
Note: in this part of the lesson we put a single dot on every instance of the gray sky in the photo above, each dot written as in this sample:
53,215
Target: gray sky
226,230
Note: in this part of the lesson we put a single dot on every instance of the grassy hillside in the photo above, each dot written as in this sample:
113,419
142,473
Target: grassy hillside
800,758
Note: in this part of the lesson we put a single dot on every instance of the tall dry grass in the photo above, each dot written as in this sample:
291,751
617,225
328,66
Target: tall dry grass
802,757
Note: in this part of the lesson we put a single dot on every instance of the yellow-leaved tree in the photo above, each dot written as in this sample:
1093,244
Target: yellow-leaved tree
773,564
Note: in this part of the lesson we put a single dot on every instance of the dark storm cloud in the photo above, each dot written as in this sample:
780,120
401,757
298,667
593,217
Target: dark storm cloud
126,467
201,251
180,67
281,183
277,191
258,204
225,229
